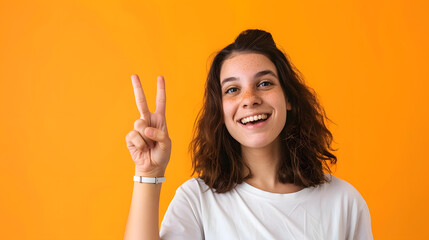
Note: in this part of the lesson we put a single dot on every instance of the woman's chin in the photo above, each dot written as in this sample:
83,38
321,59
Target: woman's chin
257,143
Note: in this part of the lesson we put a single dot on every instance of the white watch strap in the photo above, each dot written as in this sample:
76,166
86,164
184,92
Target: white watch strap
154,180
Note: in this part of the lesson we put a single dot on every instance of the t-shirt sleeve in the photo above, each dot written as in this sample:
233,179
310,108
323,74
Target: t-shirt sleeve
362,227
356,217
359,218
182,219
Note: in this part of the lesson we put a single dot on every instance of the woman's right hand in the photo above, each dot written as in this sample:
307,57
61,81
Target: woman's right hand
149,143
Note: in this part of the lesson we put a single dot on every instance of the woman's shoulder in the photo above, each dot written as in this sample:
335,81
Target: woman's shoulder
193,186
340,189
192,183
338,183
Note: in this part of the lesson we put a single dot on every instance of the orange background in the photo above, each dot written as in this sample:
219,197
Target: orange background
66,101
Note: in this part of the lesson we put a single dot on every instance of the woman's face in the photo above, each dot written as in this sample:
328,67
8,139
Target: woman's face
254,104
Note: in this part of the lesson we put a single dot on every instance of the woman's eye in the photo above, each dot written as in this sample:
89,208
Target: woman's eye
231,90
264,84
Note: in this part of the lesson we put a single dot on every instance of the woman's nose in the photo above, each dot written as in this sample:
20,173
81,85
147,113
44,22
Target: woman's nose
250,98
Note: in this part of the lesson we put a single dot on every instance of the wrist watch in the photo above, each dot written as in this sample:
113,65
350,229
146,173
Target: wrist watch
154,180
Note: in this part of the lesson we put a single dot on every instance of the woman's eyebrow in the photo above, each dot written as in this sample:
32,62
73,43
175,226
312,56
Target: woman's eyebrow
230,79
257,75
265,72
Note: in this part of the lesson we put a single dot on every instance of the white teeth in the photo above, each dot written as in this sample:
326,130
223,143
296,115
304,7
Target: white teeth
253,118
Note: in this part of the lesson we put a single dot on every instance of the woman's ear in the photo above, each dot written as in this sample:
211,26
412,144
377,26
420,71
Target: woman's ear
288,105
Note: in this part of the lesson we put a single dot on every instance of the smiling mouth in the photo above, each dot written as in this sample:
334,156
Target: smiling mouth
254,119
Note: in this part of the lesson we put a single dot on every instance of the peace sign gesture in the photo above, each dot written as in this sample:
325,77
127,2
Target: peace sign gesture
149,143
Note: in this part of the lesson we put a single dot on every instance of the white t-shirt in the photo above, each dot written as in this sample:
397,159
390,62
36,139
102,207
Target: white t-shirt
333,210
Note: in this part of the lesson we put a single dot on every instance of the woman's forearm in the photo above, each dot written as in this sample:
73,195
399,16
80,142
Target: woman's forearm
143,217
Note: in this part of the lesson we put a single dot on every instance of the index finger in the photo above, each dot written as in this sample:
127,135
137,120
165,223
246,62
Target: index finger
140,98
160,95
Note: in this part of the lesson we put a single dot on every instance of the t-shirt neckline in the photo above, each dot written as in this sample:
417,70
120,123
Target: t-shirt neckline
270,195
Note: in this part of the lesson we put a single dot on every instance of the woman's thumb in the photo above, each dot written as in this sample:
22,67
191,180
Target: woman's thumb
158,136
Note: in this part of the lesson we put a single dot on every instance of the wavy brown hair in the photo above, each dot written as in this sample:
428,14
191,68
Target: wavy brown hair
306,141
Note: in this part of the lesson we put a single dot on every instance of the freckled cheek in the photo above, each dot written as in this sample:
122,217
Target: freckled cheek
228,110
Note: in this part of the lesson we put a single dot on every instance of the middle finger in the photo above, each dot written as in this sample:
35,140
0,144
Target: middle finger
140,98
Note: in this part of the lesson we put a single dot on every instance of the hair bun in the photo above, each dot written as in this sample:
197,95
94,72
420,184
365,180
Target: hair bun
254,37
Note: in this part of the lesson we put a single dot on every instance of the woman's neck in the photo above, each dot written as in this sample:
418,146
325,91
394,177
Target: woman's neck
263,162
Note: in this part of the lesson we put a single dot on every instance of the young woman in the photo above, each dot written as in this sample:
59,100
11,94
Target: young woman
262,154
